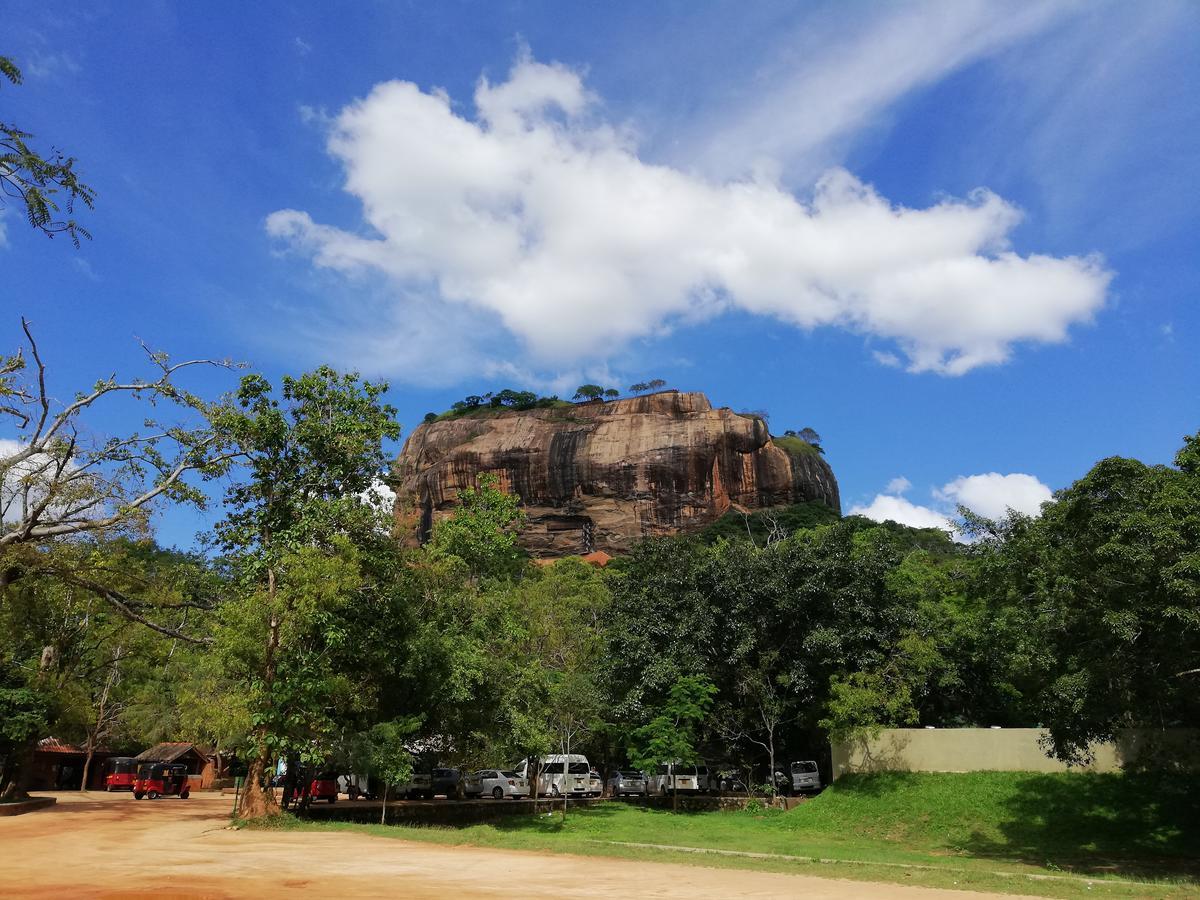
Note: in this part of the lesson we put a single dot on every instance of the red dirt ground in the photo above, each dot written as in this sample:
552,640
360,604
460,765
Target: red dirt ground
111,846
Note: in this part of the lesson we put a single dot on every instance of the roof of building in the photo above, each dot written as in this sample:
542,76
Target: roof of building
597,558
54,745
170,751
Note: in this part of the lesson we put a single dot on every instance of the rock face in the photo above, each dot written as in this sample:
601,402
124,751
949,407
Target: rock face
600,476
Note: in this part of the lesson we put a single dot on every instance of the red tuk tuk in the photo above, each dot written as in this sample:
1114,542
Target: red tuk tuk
156,780
322,786
121,774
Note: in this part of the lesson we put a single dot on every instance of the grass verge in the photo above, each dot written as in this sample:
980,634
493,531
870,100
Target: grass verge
1049,835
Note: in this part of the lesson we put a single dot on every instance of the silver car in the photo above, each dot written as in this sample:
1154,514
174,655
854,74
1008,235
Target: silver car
496,783
627,783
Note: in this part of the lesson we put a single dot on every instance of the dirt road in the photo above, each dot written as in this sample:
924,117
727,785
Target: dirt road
112,846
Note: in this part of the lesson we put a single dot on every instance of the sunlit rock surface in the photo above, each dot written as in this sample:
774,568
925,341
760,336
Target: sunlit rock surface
600,476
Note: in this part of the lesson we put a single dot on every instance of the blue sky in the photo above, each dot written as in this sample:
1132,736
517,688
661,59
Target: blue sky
957,239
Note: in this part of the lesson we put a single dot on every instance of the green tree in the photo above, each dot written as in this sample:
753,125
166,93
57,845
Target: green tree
1096,603
41,184
611,393
589,392
670,735
295,528
387,755
639,388
483,531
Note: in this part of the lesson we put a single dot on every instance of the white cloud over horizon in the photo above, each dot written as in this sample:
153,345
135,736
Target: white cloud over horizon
990,495
539,221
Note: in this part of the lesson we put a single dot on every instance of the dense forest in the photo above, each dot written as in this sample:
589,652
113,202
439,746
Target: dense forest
303,628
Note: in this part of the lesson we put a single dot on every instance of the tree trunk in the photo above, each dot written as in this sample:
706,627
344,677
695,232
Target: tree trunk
383,815
87,767
259,800
771,754
17,772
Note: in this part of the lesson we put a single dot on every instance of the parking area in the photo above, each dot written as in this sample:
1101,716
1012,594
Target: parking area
109,846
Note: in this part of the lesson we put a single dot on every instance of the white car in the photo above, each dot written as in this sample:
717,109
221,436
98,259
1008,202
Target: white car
496,783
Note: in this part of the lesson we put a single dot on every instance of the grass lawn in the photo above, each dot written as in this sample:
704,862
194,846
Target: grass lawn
1053,835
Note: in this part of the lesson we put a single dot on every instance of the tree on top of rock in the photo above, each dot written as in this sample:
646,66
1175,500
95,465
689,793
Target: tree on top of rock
589,392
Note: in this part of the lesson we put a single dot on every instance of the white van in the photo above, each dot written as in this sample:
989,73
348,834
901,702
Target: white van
569,775
806,777
675,777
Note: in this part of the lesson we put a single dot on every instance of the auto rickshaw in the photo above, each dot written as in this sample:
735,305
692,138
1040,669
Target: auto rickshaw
156,780
321,786
122,771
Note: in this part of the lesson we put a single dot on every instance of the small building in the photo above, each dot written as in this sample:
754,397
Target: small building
201,768
58,766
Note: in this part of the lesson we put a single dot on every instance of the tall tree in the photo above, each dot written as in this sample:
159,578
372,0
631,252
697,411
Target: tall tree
294,527
1097,601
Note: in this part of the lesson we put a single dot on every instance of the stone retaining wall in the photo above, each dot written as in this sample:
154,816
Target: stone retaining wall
24,806
473,812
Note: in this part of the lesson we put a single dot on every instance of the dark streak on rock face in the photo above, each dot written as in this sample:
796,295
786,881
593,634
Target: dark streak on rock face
603,475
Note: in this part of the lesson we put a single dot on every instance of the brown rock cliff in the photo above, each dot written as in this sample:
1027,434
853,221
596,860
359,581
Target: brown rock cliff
603,475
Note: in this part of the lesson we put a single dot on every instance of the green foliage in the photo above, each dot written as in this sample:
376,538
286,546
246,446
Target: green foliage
24,711
483,531
764,525
670,735
41,184
1097,602
796,446
490,404
387,755
589,392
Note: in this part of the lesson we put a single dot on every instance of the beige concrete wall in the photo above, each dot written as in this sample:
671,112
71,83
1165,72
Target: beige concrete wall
986,749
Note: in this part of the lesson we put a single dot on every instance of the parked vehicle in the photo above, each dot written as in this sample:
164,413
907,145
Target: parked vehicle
122,772
156,780
705,778
805,777
496,784
569,775
321,786
675,778
595,784
445,781
356,787
627,783
419,787
731,782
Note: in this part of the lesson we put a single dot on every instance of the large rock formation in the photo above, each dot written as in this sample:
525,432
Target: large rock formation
602,475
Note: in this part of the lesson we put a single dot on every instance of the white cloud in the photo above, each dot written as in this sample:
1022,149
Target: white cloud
540,222
896,509
837,73
990,495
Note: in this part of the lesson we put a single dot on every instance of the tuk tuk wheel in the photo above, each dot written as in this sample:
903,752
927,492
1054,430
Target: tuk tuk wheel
152,795
184,795
137,795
